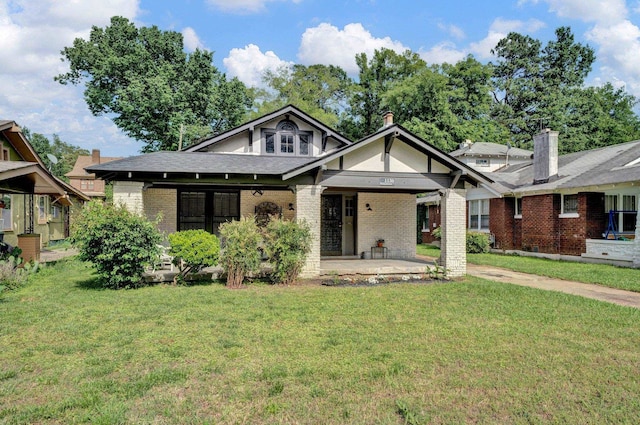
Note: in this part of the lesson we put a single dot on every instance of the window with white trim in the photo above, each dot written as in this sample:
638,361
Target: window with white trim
569,204
42,209
5,209
479,214
622,211
518,207
483,162
287,139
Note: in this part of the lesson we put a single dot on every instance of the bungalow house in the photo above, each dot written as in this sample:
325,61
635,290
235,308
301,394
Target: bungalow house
580,204
288,163
489,157
85,182
34,204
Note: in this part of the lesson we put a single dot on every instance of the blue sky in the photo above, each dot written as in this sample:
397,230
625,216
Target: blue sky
250,36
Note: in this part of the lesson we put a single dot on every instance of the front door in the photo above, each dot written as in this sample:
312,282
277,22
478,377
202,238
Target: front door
331,225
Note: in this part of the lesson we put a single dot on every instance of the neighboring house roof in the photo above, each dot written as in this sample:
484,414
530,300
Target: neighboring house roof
203,162
289,109
616,164
84,161
486,149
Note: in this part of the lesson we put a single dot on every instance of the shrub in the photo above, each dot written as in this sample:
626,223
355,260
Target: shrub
477,243
119,243
14,274
240,254
437,232
288,244
193,250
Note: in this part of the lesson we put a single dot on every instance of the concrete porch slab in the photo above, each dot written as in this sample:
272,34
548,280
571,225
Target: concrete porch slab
331,267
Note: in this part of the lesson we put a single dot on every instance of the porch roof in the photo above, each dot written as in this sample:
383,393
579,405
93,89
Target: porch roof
201,162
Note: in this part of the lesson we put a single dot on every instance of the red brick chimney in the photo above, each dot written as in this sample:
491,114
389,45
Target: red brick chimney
95,156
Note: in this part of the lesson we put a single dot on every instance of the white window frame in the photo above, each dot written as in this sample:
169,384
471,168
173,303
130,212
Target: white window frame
287,128
7,217
563,211
620,198
479,214
517,209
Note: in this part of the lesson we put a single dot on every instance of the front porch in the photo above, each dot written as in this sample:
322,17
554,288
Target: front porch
329,267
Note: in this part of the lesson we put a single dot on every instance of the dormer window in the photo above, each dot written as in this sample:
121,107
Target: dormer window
287,139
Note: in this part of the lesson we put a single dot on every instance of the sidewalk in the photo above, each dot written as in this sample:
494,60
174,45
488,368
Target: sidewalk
596,292
47,255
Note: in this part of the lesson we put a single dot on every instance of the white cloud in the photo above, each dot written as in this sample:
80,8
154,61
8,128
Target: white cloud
33,34
244,6
328,45
191,39
249,64
453,30
499,29
604,11
441,53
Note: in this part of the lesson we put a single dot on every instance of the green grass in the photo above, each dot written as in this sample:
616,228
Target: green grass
600,274
468,351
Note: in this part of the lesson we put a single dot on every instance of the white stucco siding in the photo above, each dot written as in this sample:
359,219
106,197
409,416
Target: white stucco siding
333,164
236,144
367,158
331,145
405,159
437,167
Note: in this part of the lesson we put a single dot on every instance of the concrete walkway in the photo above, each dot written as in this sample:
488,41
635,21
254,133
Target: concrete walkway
47,255
596,292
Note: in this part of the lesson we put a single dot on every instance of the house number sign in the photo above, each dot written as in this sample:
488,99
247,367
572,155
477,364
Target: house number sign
386,181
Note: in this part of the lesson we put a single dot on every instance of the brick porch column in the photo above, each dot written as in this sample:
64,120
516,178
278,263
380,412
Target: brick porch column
453,255
308,209
129,194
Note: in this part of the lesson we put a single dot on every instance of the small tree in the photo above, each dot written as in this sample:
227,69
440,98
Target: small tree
193,250
240,254
119,243
288,245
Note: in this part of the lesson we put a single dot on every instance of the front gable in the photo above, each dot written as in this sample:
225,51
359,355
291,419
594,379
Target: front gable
286,132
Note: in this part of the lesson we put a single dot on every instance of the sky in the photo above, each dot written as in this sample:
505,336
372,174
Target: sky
251,36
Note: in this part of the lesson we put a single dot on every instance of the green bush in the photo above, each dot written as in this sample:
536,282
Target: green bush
240,254
437,232
119,243
14,274
193,250
477,243
288,244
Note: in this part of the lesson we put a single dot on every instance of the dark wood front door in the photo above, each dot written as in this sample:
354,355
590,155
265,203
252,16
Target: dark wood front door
331,225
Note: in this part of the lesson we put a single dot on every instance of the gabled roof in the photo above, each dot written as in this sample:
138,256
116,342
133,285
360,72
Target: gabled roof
487,149
405,135
289,109
20,143
596,167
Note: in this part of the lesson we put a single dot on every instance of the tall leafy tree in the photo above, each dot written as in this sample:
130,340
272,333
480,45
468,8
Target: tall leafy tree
152,88
319,90
375,77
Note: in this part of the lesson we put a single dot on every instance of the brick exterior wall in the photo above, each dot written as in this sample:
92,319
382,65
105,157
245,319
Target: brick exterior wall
502,222
282,198
540,224
129,194
541,228
308,209
453,254
392,218
164,202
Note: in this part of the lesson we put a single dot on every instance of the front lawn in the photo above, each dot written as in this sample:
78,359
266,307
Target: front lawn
600,274
459,352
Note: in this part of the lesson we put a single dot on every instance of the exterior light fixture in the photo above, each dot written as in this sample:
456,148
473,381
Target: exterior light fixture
368,207
291,206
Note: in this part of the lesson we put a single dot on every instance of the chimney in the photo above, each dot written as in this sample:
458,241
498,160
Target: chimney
545,156
388,118
95,156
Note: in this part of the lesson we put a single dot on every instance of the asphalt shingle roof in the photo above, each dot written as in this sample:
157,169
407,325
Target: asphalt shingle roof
491,149
601,166
203,162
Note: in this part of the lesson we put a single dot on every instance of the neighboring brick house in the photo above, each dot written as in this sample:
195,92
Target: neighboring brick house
581,204
35,206
351,193
87,182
